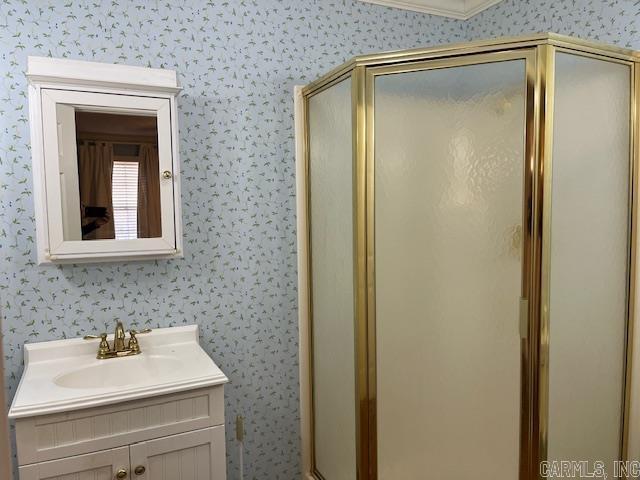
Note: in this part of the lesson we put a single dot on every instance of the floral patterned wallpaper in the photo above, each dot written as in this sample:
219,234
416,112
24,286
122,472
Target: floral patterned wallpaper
238,62
609,21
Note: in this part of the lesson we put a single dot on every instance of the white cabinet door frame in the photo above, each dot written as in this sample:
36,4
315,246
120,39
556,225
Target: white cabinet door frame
58,146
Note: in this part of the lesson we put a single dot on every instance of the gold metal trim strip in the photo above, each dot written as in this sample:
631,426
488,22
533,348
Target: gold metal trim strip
631,289
529,260
475,47
480,58
371,278
497,44
363,433
546,84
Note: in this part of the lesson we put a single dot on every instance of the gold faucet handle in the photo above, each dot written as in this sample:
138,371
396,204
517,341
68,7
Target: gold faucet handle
103,348
136,332
102,336
134,346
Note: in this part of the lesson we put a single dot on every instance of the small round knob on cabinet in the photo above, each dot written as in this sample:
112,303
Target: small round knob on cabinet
166,175
122,473
139,470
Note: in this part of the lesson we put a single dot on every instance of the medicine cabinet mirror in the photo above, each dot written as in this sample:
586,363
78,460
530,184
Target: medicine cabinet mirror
105,161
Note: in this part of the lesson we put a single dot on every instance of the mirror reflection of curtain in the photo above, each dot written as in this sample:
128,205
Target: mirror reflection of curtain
149,223
95,167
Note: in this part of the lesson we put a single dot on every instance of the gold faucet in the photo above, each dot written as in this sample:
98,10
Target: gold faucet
118,338
119,349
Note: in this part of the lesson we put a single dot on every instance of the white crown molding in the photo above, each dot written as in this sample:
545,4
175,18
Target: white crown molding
64,70
459,9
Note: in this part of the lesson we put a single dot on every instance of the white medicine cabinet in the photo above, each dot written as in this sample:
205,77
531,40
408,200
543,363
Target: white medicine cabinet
104,142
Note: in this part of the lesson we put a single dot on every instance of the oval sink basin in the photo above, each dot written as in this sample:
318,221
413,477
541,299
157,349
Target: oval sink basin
121,372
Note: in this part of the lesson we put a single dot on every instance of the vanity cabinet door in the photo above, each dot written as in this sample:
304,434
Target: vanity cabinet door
92,466
198,455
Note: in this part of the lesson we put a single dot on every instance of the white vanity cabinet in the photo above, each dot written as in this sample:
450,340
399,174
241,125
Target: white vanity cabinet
157,414
167,437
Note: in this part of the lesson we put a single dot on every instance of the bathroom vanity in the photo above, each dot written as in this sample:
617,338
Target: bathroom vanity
154,415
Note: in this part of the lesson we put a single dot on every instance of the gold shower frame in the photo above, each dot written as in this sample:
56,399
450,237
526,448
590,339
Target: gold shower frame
538,52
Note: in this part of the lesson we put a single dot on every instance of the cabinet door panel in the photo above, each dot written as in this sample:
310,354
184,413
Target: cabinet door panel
92,466
198,455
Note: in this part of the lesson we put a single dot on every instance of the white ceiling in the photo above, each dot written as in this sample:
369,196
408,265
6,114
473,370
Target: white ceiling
460,9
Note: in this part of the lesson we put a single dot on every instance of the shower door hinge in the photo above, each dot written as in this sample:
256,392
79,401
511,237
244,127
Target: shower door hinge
524,317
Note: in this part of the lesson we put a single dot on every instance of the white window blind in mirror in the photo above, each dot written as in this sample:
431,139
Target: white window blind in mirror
125,199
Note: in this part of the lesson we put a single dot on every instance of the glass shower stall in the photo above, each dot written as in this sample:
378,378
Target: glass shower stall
470,259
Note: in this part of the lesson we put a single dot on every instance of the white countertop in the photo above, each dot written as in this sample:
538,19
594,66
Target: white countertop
65,375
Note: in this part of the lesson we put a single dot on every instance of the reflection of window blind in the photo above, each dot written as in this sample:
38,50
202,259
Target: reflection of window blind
125,199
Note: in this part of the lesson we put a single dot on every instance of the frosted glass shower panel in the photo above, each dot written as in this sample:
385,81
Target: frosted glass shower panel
589,257
449,162
331,184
